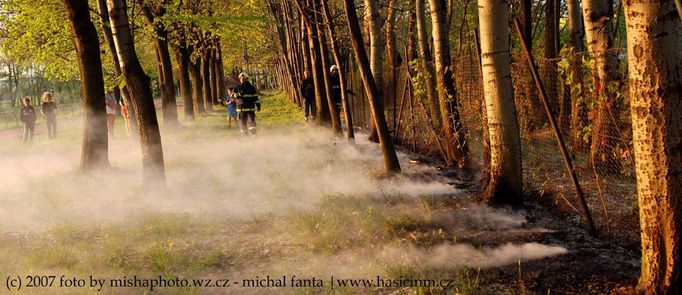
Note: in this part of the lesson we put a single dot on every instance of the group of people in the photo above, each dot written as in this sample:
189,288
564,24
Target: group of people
242,105
29,116
48,109
308,92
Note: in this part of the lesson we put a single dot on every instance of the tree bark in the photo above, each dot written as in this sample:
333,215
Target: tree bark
197,86
506,183
597,15
390,158
655,67
454,133
426,61
183,59
324,53
578,113
95,144
139,87
206,76
166,81
323,115
345,105
551,40
376,54
109,39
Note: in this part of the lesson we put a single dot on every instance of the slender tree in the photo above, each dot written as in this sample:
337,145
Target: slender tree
655,67
426,61
376,106
350,134
506,183
578,112
598,15
94,149
140,89
457,150
166,81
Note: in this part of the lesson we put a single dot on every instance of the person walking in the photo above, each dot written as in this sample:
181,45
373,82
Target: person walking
336,88
231,108
308,93
247,104
28,117
111,112
49,111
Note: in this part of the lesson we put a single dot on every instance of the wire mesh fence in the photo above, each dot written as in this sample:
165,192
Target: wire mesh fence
593,119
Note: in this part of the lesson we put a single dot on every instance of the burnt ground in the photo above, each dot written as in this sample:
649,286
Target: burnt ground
608,263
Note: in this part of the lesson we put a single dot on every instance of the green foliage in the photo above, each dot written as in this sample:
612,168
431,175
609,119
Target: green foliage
36,33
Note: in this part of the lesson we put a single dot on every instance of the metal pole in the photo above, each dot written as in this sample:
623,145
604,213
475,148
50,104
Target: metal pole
555,128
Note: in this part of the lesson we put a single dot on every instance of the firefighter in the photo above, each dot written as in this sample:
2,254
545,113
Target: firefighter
247,104
336,88
308,93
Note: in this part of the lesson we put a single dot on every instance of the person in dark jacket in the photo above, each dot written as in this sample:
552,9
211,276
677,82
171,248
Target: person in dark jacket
336,88
247,104
308,93
28,117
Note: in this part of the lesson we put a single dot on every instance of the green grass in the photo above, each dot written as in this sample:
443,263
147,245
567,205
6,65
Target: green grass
195,246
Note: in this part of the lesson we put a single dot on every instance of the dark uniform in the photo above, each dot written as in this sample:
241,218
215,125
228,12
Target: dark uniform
336,92
247,105
308,92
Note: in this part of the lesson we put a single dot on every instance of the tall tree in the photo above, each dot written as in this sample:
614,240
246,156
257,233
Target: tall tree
183,54
506,183
426,61
576,48
153,171
109,40
345,105
598,15
94,150
655,69
453,130
166,81
376,53
376,106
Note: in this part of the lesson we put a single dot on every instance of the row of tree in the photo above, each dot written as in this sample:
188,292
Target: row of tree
307,30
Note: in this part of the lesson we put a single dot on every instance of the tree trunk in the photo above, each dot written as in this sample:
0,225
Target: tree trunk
220,75
506,183
551,40
183,58
323,116
95,145
197,86
390,158
109,39
213,64
578,113
376,54
141,94
166,81
426,61
457,150
655,63
391,59
206,77
597,15
336,120
348,116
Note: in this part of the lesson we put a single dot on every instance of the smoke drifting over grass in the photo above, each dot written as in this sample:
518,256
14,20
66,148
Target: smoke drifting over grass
209,173
455,255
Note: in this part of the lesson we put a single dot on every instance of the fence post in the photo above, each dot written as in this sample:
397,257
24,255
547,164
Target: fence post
555,128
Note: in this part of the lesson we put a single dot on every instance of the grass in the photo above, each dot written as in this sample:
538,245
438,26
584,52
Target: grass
195,246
